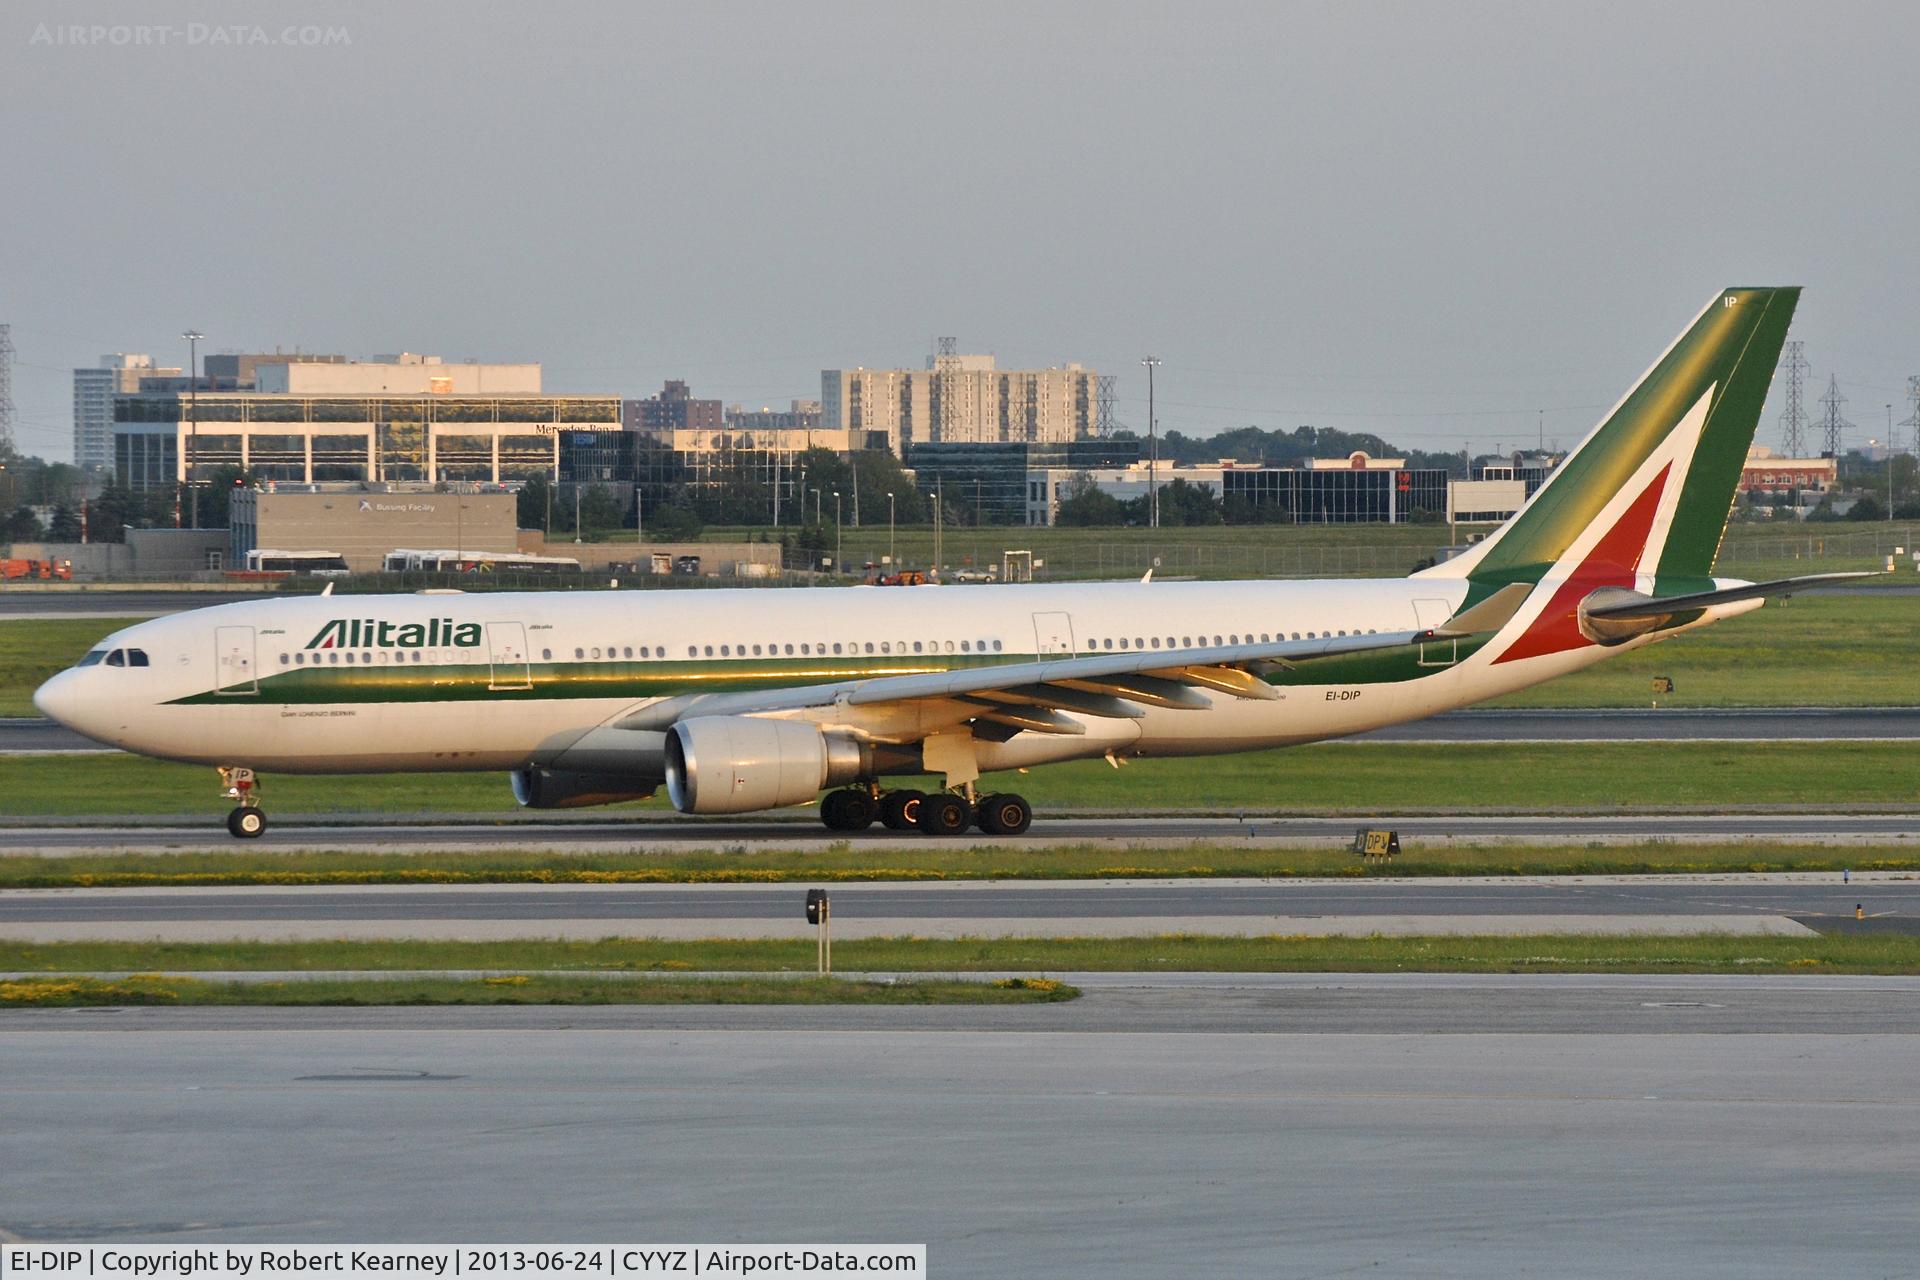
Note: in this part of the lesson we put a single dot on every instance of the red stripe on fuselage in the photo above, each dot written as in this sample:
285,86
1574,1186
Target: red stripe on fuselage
1613,562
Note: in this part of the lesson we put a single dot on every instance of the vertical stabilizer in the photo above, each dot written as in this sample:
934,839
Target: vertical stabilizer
1650,489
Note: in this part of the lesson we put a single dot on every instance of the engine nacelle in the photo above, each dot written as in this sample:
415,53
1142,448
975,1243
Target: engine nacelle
567,789
737,764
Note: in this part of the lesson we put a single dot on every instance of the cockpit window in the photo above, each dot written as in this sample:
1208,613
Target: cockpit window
136,657
91,658
118,658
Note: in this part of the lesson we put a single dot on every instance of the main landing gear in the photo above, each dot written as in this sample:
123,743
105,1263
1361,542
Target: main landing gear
248,820
941,813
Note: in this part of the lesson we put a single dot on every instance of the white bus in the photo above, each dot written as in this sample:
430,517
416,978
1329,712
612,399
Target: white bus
326,563
406,560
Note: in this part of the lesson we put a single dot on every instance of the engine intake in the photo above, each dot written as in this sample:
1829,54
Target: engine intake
566,789
737,764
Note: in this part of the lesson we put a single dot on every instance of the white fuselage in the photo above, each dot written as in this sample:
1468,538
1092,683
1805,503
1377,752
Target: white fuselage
504,680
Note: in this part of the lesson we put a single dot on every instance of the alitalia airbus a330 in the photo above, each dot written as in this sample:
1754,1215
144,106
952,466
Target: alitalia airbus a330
747,700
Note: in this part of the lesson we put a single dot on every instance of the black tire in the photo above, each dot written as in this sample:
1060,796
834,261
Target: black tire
944,815
246,823
900,810
847,810
1005,815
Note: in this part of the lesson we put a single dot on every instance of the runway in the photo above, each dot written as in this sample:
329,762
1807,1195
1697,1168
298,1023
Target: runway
31,734
1584,1127
1783,904
667,833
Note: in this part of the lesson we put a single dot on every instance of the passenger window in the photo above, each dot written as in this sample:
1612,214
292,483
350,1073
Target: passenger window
383,657
806,650
709,649
916,646
1138,643
996,646
756,651
546,655
966,646
299,659
1156,641
949,646
869,646
285,659
349,655
789,651
836,648
886,646
333,659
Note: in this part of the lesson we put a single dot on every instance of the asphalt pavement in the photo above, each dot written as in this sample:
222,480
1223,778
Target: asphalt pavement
1655,1126
1793,904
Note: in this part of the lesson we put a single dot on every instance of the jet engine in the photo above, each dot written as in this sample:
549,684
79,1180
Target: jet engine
737,764
538,788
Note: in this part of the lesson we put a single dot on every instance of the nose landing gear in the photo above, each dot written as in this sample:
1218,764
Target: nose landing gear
249,819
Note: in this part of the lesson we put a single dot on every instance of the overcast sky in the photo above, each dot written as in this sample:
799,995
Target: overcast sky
1426,220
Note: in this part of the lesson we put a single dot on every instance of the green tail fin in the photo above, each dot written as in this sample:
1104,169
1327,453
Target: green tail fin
1654,482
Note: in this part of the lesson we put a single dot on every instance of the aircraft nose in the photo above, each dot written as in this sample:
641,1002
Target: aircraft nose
59,698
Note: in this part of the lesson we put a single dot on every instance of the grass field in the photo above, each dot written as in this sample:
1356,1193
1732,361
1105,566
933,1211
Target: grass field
757,864
1705,953
1341,778
1751,550
519,988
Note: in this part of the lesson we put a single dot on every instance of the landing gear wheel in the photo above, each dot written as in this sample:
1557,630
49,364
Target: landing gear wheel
1005,815
944,815
848,810
247,822
900,810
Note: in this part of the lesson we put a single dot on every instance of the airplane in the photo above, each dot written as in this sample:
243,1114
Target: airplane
740,701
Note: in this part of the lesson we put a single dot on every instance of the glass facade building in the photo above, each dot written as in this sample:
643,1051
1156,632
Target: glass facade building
987,482
1291,495
307,440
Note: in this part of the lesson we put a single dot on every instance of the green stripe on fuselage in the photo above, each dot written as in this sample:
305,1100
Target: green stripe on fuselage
474,682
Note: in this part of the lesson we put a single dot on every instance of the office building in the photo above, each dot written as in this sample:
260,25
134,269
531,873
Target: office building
673,408
93,393
1351,490
959,399
1765,475
308,439
989,483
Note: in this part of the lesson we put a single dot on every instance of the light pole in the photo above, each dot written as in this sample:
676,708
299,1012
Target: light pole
1153,450
838,567
576,511
816,506
1890,457
892,555
193,337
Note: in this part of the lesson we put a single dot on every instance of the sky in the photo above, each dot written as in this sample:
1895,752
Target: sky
1430,221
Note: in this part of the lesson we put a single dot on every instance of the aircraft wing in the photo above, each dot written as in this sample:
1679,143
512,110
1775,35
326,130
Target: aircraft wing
1030,695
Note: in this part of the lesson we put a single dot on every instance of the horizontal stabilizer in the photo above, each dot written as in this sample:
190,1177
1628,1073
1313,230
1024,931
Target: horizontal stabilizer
1490,614
1632,605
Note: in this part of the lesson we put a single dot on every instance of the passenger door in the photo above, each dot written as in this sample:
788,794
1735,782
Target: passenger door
507,651
1053,635
1427,615
233,657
